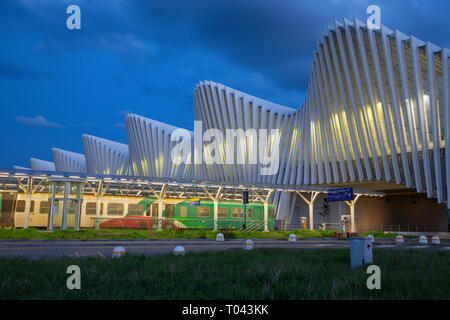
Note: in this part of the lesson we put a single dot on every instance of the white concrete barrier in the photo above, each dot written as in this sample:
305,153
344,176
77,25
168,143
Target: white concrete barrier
399,239
435,240
118,252
179,251
292,238
220,237
423,240
249,245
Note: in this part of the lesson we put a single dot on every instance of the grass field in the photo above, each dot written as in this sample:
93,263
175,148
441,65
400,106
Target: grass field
260,274
86,234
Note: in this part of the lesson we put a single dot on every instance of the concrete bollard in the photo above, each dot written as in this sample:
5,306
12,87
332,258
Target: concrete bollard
118,252
249,245
178,251
220,237
435,240
292,238
423,240
371,237
399,239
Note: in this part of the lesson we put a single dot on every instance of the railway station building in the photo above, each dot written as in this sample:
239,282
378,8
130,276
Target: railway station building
375,119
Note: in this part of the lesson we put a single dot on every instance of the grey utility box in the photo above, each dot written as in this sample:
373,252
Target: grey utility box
360,251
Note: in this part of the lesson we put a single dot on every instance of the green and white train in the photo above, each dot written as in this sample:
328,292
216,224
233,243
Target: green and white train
139,212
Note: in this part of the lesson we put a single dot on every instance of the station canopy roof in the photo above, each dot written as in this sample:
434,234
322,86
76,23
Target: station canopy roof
113,185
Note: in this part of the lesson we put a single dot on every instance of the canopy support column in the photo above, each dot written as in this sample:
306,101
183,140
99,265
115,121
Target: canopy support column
53,208
216,207
351,204
266,211
311,206
160,205
78,209
29,192
98,205
65,205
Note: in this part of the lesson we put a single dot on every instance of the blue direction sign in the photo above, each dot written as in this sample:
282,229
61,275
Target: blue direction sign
340,194
195,202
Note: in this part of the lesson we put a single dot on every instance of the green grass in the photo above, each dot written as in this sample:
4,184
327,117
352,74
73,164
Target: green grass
86,234
261,274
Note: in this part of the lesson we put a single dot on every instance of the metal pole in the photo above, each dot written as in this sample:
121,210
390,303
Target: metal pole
245,225
266,216
216,213
78,212
98,205
52,208
160,213
28,202
65,204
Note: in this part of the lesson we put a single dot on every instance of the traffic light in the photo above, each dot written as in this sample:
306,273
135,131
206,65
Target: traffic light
245,197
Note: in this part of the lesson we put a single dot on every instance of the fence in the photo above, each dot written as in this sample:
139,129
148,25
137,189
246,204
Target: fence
280,225
238,225
180,223
408,228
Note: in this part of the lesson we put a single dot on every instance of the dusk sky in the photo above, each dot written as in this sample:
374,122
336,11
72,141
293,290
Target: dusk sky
145,57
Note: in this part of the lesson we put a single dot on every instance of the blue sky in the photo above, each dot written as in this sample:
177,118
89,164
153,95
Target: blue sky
146,57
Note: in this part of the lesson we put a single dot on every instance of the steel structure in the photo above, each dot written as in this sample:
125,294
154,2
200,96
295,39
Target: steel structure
105,156
30,182
41,165
68,161
376,109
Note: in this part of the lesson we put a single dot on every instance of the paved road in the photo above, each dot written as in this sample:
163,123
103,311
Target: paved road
103,248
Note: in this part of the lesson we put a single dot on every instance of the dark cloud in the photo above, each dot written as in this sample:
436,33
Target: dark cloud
148,55
276,38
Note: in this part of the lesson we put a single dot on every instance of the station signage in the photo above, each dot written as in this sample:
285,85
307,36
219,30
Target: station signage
340,194
194,202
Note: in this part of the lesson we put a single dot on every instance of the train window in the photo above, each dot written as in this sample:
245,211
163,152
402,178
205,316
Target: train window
249,213
237,212
135,209
72,208
271,213
203,212
44,207
183,211
115,209
223,212
20,206
91,208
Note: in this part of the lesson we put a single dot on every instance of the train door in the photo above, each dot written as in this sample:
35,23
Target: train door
154,214
71,210
8,207
155,207
170,210
57,213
